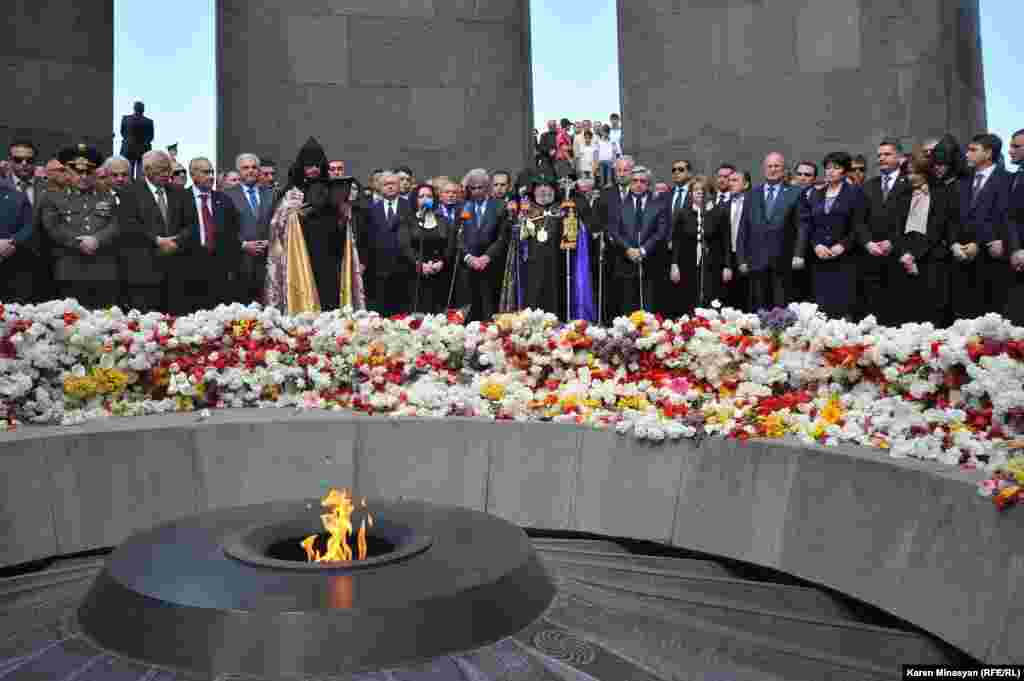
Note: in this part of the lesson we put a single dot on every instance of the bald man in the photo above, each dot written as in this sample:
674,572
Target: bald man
767,237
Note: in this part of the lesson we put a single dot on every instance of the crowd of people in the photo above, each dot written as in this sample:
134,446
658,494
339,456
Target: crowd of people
584,232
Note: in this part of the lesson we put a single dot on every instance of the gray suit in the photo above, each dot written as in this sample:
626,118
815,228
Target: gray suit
253,226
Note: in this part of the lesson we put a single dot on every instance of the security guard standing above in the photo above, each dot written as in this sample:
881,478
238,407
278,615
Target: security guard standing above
83,227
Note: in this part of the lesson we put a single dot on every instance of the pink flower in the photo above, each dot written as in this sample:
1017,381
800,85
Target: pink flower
680,385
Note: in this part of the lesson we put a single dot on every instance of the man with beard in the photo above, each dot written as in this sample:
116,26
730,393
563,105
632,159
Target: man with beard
324,216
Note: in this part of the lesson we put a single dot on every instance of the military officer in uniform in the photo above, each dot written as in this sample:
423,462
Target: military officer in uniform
82,226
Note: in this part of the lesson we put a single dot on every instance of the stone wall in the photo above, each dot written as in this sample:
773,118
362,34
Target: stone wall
57,74
732,81
442,85
910,537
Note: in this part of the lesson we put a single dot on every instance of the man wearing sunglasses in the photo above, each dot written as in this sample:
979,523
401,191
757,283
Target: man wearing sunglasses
858,170
21,158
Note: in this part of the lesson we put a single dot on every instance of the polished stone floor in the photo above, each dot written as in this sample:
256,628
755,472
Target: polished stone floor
620,615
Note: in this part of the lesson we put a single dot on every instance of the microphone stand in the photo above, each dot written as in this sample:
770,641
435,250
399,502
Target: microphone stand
703,256
458,260
419,268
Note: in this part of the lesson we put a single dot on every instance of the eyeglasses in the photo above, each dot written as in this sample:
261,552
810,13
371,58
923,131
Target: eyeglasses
858,169
679,170
182,173
21,160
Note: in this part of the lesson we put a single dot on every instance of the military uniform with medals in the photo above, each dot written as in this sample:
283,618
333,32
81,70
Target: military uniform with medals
74,216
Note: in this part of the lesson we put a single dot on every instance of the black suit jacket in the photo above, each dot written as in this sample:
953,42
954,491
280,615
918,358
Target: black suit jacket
136,136
140,260
226,255
381,242
985,216
885,216
943,225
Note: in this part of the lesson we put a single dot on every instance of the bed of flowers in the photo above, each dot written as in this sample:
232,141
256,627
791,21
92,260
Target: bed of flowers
953,395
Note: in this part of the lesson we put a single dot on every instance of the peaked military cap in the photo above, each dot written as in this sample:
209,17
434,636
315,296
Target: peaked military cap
80,157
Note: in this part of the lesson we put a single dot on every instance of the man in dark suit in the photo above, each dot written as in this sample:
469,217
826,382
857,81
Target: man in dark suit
886,197
379,244
607,210
767,236
17,264
136,137
157,219
255,206
736,208
482,235
637,231
1015,220
213,246
982,286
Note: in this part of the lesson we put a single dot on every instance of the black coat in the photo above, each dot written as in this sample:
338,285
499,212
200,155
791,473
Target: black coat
139,260
136,136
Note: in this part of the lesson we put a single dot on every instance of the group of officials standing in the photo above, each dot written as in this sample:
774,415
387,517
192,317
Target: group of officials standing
938,235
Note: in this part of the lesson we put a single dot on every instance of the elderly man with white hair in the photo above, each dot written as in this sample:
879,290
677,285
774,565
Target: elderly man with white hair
481,237
255,206
156,222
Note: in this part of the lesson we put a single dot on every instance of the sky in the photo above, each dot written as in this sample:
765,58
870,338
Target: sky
175,75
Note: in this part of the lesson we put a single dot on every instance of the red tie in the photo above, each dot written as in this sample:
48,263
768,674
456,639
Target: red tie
208,226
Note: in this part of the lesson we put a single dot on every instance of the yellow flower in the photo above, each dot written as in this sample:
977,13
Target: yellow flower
638,318
817,430
774,425
109,381
80,387
1015,467
492,390
833,412
185,403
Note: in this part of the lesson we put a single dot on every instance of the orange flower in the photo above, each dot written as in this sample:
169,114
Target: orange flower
466,216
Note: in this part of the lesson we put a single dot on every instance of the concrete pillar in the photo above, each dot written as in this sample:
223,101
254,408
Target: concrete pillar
57,73
734,80
442,85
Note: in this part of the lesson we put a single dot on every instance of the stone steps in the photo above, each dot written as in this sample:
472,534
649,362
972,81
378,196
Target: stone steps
602,545
714,589
786,644
619,560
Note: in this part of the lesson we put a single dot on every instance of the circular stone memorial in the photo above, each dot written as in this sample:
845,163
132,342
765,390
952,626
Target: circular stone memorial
231,591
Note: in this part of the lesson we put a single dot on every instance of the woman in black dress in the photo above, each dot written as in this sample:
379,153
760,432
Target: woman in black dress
930,220
427,240
700,253
830,219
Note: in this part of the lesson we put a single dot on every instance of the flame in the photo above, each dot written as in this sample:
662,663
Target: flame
338,523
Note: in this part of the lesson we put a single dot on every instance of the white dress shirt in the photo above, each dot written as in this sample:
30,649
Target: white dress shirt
737,212
197,197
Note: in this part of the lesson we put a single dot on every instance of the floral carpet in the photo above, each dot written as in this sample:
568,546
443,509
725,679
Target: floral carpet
954,396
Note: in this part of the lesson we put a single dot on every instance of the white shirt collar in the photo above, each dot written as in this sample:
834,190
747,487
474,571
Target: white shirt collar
152,187
986,173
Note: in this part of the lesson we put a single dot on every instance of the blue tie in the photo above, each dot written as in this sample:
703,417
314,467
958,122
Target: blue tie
479,213
771,198
252,200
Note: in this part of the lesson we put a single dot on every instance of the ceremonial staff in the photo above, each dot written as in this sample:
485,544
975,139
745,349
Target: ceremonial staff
570,233
701,255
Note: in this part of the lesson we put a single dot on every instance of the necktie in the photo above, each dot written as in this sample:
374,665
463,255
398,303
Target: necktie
161,202
771,198
387,211
886,185
253,201
479,212
737,210
639,216
678,202
978,177
208,226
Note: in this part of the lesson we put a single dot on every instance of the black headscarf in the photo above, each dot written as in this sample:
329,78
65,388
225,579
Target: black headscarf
311,154
947,152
